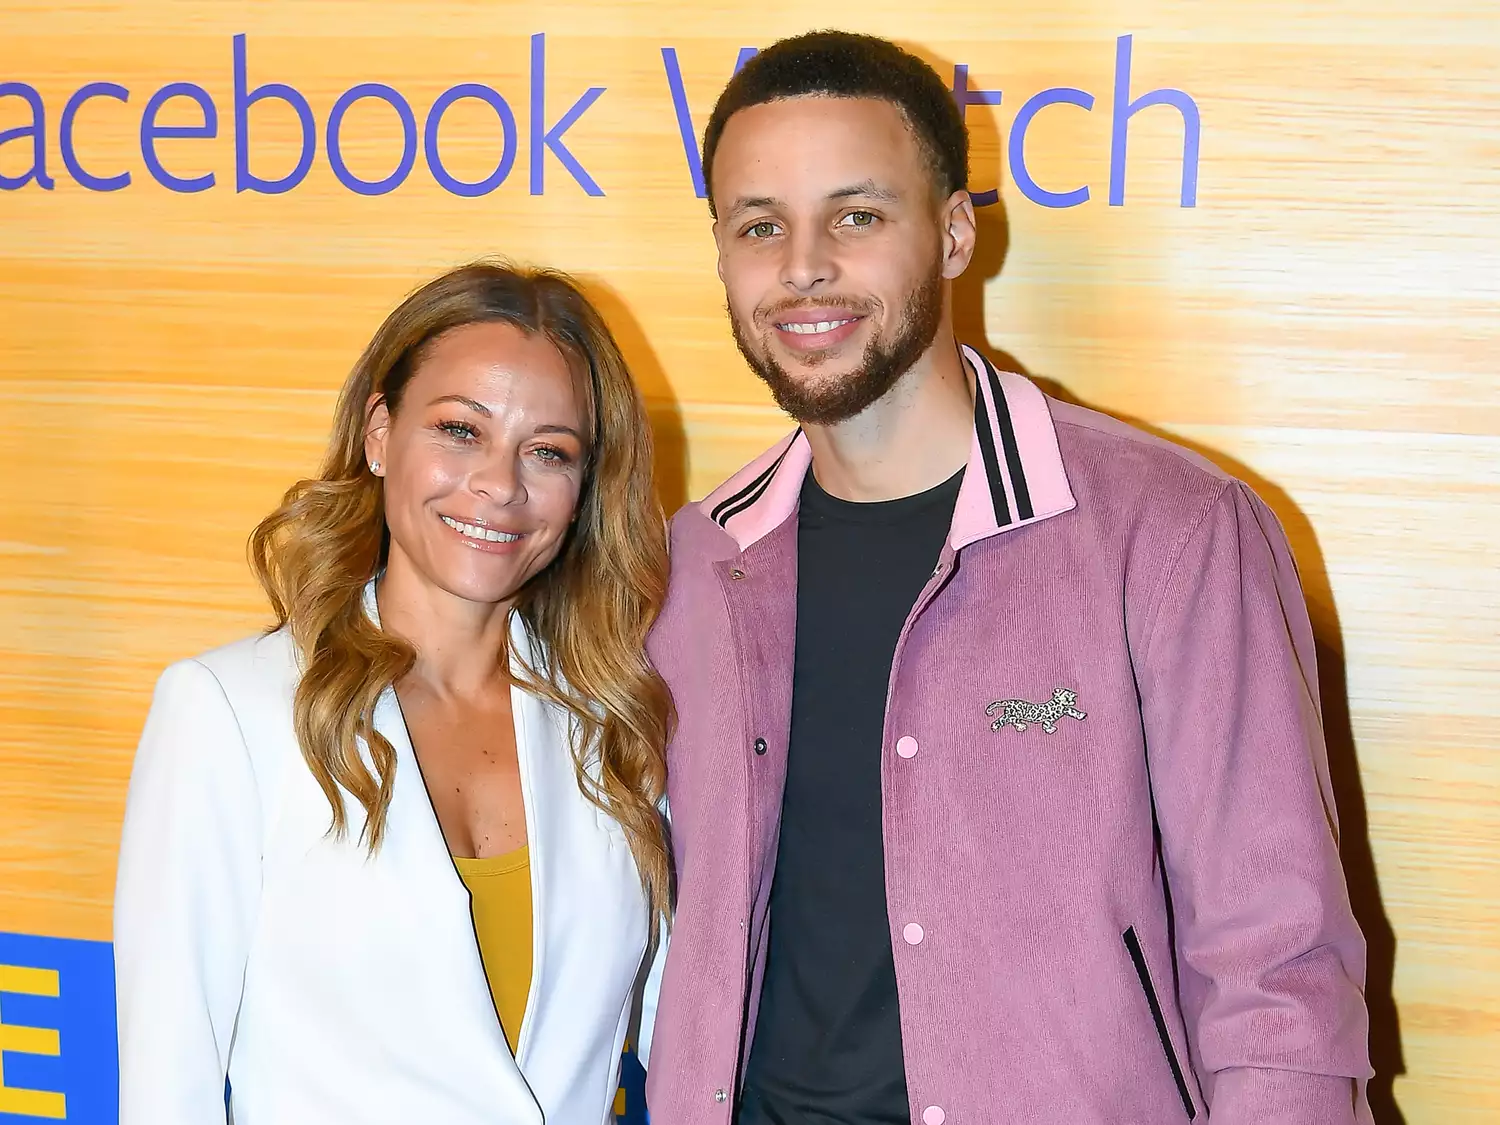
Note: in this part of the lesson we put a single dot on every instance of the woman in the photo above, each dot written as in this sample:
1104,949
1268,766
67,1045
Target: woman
399,860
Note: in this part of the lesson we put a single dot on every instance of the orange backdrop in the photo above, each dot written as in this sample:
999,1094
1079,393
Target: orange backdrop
1322,317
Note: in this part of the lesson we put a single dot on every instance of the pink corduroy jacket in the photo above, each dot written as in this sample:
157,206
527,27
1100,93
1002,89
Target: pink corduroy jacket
1111,854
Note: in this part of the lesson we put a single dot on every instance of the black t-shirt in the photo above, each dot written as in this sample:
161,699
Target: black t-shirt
827,1047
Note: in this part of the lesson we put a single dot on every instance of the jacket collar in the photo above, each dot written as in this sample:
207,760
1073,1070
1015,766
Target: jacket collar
1015,474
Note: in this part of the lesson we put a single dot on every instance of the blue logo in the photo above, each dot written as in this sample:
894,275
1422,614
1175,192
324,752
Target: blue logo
58,1055
57,1031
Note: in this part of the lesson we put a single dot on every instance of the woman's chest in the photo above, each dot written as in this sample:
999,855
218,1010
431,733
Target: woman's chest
466,754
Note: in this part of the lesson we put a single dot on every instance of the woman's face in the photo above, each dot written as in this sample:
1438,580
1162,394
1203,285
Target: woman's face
483,461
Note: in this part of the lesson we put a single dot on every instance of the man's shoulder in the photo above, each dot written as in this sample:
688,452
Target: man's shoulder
699,529
1104,442
1148,490
695,537
1133,473
689,615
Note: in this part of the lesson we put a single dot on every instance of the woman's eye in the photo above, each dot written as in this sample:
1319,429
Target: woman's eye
763,229
552,455
858,219
460,430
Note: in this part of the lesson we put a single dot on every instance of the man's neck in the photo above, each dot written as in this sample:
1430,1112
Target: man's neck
914,438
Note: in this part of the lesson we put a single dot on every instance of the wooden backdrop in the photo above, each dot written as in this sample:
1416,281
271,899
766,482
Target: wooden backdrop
1324,320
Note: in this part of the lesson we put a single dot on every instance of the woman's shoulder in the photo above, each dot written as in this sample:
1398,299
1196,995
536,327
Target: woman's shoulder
264,658
253,674
226,710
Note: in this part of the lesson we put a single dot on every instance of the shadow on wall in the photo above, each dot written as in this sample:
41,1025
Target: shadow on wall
651,377
1359,865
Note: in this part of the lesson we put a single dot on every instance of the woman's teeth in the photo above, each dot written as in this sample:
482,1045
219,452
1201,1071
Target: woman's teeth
475,532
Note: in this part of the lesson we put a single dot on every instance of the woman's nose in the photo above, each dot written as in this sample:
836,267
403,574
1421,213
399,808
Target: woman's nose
498,480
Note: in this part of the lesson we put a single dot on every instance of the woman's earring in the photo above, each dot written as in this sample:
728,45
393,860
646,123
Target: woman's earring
375,467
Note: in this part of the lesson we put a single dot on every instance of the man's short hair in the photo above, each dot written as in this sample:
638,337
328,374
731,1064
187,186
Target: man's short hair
841,64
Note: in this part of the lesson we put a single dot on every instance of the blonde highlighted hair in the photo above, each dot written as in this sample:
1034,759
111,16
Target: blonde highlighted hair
589,611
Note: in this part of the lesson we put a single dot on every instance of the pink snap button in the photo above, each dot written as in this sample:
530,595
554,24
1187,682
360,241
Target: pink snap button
913,934
906,746
933,1115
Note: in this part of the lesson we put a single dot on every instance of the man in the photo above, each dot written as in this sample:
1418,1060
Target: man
998,791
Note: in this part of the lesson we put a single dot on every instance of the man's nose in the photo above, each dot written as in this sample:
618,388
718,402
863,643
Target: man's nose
810,261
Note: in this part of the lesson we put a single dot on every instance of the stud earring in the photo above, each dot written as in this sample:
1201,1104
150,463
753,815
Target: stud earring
375,467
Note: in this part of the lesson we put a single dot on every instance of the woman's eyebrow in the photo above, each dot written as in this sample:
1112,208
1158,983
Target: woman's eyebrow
556,429
478,408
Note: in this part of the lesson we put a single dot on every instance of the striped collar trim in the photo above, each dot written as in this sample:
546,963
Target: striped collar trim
1015,473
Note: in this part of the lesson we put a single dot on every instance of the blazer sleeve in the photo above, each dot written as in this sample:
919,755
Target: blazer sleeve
186,897
650,994
1249,832
651,982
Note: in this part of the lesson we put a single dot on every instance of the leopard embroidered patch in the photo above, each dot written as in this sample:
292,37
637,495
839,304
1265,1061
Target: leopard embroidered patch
1022,713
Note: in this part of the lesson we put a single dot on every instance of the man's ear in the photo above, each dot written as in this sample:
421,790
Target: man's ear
719,247
377,429
959,233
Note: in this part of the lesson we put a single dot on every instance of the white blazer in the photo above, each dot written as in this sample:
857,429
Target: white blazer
335,988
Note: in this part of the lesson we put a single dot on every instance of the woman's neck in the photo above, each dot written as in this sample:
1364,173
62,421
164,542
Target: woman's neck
461,645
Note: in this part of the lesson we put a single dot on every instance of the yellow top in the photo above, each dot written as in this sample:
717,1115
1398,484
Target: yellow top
500,898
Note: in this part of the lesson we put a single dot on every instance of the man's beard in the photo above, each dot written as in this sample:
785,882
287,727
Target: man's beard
828,402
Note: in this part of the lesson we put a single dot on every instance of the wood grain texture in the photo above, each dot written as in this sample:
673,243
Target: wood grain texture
1325,322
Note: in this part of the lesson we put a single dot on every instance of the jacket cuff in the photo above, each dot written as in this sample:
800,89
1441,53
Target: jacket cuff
1252,1096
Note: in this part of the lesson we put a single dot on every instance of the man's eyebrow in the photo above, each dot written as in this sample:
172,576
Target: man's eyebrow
478,408
867,188
748,203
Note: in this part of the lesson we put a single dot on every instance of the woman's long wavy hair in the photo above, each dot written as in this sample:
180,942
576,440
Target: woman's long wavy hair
588,612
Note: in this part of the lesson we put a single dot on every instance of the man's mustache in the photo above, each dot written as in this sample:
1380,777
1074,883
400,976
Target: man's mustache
861,306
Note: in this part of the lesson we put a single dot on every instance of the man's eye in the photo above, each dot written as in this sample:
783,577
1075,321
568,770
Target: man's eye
763,229
858,219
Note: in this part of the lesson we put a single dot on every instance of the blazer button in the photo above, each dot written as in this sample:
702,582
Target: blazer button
933,1115
760,745
720,1096
913,933
906,746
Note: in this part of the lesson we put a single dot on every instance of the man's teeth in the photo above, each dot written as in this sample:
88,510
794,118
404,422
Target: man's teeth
814,328
487,533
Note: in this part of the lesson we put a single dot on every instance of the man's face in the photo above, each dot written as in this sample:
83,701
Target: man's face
833,249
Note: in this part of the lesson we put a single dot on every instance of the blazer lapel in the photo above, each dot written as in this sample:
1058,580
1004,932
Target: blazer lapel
416,850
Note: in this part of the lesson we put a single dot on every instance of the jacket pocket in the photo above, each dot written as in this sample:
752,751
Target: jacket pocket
1133,945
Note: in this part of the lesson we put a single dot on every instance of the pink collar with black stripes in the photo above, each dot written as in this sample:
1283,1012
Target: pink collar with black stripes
1015,474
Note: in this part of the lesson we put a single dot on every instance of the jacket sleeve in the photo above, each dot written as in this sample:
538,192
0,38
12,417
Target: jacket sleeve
1274,959
186,897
